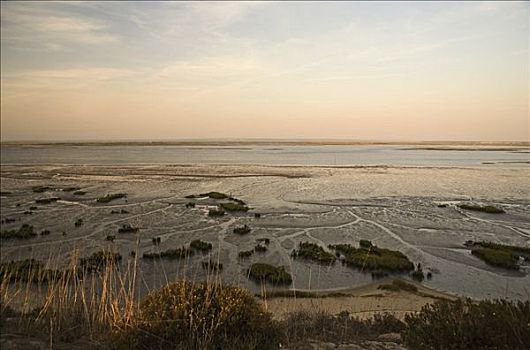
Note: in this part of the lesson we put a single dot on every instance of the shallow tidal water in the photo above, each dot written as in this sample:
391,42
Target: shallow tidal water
394,205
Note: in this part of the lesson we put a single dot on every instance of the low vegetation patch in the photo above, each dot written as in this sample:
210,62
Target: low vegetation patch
121,211
233,207
260,272
242,230
499,255
177,253
200,245
110,197
40,189
213,195
312,251
79,193
24,232
190,205
216,212
464,324
126,228
373,258
182,315
110,238
70,189
46,200
98,260
483,208
245,254
78,222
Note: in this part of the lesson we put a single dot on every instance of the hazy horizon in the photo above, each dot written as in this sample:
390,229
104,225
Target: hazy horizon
157,71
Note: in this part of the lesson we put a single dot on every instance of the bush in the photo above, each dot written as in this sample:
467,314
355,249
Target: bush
202,316
46,200
245,254
126,228
242,230
312,251
267,273
178,253
233,207
342,328
110,197
98,260
200,245
24,232
496,324
216,212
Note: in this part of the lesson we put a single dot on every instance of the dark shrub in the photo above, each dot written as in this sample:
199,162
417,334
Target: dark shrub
496,324
46,200
216,212
200,245
398,285
126,228
78,222
233,207
24,232
245,254
201,316
242,230
267,273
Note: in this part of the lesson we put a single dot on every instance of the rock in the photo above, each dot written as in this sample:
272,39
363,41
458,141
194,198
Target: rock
390,337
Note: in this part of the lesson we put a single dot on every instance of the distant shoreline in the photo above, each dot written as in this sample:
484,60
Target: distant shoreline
269,142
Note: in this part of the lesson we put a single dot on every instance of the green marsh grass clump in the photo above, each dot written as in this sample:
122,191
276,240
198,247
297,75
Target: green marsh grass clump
499,255
374,258
79,193
122,211
483,208
204,316
213,195
177,253
98,260
465,324
78,222
216,212
24,232
242,230
245,254
40,189
201,246
260,272
70,189
312,251
47,200
234,207
127,228
110,197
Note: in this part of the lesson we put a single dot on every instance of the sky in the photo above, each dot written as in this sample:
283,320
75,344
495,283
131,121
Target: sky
290,70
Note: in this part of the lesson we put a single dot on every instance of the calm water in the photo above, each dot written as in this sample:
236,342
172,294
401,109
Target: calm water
270,155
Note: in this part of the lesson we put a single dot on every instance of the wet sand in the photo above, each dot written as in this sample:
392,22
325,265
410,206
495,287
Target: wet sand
394,207
362,302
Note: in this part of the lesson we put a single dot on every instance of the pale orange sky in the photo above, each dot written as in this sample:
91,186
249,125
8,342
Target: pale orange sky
397,71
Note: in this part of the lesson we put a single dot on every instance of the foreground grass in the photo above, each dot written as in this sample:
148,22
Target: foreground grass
103,307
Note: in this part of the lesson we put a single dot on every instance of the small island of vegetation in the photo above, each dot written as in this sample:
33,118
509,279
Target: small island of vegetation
490,209
267,273
110,197
312,251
